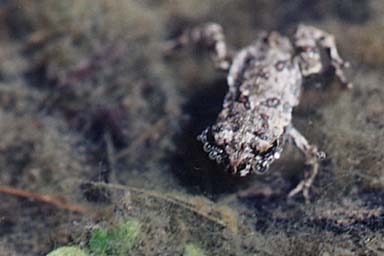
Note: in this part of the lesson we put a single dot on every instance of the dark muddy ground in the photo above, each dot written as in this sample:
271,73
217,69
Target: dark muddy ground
93,115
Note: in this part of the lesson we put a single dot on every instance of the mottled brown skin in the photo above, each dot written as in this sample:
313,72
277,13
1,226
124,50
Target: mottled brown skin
264,81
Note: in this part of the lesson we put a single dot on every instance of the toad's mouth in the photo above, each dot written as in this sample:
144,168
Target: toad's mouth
258,164
263,160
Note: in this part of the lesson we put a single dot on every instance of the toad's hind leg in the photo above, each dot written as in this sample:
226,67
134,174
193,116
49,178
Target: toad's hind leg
312,156
209,35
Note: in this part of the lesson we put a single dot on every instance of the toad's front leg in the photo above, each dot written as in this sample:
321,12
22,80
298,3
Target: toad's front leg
312,156
308,42
209,35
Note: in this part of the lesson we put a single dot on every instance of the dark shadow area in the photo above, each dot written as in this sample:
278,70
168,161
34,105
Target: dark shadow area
192,165
302,11
353,11
293,12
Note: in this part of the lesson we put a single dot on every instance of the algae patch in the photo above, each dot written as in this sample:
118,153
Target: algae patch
118,241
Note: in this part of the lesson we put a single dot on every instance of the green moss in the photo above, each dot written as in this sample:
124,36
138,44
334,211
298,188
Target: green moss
125,236
100,242
118,241
67,251
193,250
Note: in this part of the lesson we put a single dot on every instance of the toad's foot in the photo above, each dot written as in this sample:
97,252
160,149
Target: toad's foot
305,185
208,35
312,156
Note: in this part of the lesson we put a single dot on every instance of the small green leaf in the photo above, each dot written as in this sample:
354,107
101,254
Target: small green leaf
193,250
67,251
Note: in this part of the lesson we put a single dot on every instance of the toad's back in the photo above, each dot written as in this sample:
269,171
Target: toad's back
264,85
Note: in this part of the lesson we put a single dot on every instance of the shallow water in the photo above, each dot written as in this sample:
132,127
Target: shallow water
94,115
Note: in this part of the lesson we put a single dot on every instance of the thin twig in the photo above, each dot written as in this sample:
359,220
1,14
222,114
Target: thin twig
58,203
111,157
173,200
